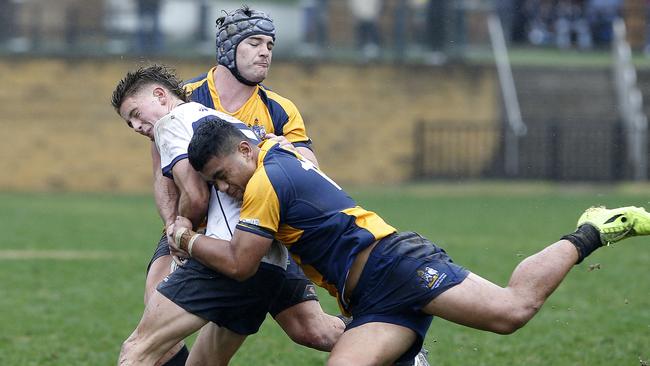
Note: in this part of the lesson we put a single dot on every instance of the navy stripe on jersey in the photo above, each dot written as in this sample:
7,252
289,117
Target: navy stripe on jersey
306,144
167,170
278,115
255,230
202,93
241,126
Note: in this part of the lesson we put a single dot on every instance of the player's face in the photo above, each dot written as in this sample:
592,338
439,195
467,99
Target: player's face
230,174
142,110
254,57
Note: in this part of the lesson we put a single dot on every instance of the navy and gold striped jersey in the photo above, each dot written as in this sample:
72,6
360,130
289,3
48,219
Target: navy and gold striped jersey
264,112
290,200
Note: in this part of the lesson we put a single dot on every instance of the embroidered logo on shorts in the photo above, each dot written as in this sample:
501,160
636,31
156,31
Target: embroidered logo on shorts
430,277
310,293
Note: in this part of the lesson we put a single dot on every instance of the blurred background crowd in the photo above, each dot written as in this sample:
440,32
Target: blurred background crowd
423,30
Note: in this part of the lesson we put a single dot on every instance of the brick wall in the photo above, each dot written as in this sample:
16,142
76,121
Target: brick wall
59,132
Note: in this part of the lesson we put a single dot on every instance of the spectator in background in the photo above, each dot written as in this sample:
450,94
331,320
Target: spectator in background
570,20
540,14
315,30
149,37
601,15
437,31
366,16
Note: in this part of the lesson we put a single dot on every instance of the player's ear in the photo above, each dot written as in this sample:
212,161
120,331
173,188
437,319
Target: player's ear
245,148
160,93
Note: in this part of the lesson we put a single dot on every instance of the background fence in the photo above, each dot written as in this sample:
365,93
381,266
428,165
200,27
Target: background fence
551,150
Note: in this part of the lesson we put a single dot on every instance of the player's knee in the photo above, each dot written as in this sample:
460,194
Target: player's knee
132,351
127,352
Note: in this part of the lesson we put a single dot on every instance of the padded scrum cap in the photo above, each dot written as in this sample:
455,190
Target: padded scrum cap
234,28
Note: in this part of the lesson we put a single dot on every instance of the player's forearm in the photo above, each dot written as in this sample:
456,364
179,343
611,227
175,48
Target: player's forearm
166,197
217,254
194,206
165,192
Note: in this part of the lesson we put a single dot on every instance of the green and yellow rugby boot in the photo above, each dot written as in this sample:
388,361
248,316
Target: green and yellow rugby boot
618,223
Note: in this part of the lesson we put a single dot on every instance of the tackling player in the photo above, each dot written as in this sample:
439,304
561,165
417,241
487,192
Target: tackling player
392,283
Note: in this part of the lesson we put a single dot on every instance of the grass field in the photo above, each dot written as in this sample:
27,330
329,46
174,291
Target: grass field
72,270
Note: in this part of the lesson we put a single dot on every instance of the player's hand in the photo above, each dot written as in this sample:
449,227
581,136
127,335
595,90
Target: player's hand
182,222
178,254
280,139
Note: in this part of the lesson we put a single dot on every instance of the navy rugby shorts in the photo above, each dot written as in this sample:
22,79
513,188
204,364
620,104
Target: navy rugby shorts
161,250
404,272
239,306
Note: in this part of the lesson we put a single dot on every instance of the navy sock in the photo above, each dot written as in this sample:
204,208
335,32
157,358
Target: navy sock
179,358
586,239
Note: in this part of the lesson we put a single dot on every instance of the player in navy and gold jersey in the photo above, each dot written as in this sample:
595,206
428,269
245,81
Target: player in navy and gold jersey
392,283
244,55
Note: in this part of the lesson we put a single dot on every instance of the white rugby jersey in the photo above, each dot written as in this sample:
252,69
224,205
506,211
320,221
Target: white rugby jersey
172,134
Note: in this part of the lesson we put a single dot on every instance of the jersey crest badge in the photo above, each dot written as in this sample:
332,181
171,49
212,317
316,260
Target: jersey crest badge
258,129
430,277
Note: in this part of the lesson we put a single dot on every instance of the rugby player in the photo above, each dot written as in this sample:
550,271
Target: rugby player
391,283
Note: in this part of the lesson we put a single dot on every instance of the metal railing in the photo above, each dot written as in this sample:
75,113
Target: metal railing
551,150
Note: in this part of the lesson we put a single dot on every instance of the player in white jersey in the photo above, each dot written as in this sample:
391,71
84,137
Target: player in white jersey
151,101
172,134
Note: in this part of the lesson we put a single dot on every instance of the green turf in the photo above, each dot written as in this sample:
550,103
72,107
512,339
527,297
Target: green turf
77,309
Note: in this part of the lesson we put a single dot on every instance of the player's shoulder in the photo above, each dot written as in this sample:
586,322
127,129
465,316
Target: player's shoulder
195,83
279,161
270,96
189,112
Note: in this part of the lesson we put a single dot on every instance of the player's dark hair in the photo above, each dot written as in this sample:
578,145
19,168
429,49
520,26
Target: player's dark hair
214,137
154,74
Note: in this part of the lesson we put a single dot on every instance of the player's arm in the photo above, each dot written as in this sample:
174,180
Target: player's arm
165,191
308,154
194,192
172,137
238,259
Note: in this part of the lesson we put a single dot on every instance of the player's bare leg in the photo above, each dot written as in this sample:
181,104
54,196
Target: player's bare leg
162,326
214,346
306,324
479,303
371,344
158,270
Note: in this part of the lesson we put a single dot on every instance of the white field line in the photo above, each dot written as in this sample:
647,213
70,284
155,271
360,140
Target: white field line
57,254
